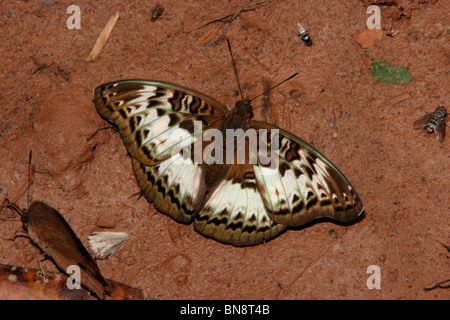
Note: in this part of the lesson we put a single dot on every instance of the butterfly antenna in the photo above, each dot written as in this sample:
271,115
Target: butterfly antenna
275,86
29,179
235,71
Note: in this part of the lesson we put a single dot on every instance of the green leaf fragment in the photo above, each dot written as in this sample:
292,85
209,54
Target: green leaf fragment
387,73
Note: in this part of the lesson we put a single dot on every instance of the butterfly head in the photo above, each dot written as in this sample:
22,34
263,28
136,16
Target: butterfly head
244,109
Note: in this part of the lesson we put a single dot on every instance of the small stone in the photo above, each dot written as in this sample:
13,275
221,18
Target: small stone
369,37
107,220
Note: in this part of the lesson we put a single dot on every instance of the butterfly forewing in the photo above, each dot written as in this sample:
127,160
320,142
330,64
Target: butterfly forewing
304,185
148,113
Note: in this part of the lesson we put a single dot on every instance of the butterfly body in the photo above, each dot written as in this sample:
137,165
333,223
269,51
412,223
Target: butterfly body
433,123
238,118
238,200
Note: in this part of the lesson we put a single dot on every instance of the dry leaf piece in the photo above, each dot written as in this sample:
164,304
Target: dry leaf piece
101,41
17,283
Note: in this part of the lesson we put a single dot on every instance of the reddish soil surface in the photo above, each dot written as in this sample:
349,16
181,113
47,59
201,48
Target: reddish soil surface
364,127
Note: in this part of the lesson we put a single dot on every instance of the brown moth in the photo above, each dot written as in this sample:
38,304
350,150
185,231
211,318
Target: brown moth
47,229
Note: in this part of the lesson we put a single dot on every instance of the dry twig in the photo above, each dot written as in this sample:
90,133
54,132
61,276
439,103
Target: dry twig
226,18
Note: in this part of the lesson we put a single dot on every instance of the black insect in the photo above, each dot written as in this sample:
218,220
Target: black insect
433,122
156,12
304,35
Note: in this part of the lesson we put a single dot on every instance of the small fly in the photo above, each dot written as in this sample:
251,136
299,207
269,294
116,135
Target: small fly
433,122
304,35
156,12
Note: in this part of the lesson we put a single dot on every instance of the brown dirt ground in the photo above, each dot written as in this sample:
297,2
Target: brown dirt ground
364,127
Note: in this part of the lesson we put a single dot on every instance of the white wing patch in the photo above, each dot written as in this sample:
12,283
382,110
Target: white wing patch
105,244
235,213
175,186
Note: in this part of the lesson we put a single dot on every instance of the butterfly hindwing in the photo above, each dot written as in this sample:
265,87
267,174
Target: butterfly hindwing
148,113
234,212
303,185
175,186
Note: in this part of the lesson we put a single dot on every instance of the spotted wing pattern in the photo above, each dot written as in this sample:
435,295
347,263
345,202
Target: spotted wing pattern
147,114
242,204
175,186
304,184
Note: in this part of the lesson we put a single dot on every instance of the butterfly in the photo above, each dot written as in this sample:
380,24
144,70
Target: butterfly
236,203
433,122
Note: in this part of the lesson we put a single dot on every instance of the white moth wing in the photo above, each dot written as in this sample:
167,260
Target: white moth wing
105,244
